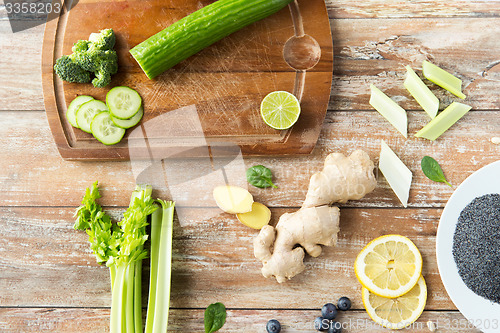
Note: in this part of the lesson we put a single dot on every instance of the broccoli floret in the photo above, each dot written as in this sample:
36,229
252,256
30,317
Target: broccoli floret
92,60
95,56
107,65
68,70
80,46
104,40
102,63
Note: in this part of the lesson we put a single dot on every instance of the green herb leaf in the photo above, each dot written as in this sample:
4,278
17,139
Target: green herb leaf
432,170
260,176
215,317
103,234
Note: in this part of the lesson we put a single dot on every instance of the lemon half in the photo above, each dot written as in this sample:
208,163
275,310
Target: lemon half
396,313
389,266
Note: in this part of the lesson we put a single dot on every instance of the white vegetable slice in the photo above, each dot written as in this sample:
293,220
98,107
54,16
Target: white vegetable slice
422,94
396,172
391,111
443,121
442,78
233,199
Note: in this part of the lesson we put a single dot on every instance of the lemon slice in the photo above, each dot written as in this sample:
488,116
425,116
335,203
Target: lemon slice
396,313
389,266
280,109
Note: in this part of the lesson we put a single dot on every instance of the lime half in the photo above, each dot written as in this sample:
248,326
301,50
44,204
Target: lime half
280,109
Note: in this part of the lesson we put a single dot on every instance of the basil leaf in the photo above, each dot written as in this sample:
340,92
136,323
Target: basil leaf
215,317
260,176
432,170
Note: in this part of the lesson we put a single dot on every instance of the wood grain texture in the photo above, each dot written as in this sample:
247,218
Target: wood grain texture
21,82
224,83
362,54
411,9
365,55
47,263
14,320
34,174
49,280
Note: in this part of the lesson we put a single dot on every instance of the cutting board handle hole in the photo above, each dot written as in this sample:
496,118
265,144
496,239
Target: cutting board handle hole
301,52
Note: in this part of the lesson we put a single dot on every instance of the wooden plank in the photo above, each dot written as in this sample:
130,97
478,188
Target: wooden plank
14,320
412,9
34,174
45,262
363,55
21,82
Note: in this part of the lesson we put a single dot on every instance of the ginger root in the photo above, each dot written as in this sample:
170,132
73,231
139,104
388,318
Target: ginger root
286,261
343,178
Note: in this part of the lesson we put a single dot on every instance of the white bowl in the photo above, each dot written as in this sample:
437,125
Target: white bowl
480,312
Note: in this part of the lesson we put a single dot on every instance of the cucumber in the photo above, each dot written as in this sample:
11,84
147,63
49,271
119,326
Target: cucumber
198,30
104,130
74,106
128,123
123,102
87,111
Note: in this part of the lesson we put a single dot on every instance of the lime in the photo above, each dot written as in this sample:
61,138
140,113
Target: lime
280,109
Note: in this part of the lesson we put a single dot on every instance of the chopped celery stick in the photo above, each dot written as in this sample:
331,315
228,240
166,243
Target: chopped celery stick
391,111
443,79
443,121
422,94
396,172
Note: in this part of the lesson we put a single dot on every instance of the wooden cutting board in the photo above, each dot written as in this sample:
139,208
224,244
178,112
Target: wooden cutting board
224,84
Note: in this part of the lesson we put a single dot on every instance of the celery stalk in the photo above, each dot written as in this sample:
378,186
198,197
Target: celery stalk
126,298
117,301
422,94
443,121
161,264
443,79
129,304
112,275
153,267
121,247
396,172
138,297
391,111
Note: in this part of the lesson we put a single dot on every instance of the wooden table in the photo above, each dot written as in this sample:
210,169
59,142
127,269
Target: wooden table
49,280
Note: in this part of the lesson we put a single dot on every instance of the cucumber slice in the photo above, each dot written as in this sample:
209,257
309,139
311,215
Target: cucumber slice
87,111
74,106
128,123
104,130
123,102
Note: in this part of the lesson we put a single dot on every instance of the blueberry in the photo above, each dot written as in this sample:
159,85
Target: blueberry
321,324
329,311
344,303
273,326
335,327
